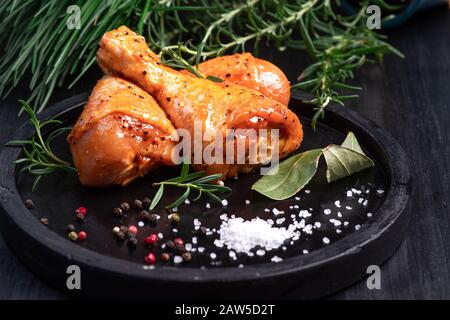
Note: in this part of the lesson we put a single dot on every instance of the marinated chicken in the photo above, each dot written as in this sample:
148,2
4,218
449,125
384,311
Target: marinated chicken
246,70
121,134
188,100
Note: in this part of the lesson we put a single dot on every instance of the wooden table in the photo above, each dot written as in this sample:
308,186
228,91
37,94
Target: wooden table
411,99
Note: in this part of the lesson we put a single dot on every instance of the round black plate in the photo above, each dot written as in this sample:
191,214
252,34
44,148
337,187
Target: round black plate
361,233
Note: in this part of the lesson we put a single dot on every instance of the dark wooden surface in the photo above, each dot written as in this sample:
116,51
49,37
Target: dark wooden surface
411,99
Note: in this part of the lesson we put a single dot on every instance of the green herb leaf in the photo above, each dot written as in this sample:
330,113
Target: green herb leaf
180,200
292,175
215,79
184,172
157,197
351,143
346,159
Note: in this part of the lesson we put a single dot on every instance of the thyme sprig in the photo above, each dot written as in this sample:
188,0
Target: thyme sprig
196,181
38,157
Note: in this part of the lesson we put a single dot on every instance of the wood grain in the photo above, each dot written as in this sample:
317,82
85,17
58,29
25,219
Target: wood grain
409,98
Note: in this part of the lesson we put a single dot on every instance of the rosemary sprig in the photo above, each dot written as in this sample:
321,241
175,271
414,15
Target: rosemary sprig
39,159
337,44
196,181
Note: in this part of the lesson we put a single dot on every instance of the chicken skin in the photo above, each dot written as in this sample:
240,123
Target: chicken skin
246,70
121,135
188,100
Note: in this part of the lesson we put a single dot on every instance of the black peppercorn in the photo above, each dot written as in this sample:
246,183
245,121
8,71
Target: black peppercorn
117,212
132,241
29,204
70,228
124,229
144,215
153,218
147,202
120,235
187,257
179,248
80,216
170,245
138,204
124,206
165,257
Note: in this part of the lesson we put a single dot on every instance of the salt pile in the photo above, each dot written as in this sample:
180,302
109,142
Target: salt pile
242,236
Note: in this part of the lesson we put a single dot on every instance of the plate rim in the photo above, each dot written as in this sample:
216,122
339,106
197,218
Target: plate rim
397,198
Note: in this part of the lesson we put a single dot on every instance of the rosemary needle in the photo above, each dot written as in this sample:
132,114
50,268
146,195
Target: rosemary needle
197,181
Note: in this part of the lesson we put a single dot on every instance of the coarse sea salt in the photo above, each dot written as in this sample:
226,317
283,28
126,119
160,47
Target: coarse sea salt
276,259
276,212
177,259
243,235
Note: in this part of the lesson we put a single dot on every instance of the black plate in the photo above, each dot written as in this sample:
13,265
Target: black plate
368,232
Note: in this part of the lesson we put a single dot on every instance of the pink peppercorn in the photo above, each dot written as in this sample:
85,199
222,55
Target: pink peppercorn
81,210
150,258
151,239
178,241
133,230
82,235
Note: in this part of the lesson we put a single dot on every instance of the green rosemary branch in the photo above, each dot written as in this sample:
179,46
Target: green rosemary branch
38,157
337,44
197,181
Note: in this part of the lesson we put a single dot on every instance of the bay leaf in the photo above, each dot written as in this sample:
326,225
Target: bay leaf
291,176
352,143
342,162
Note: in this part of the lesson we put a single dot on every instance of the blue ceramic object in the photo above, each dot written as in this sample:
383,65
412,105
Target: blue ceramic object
399,18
